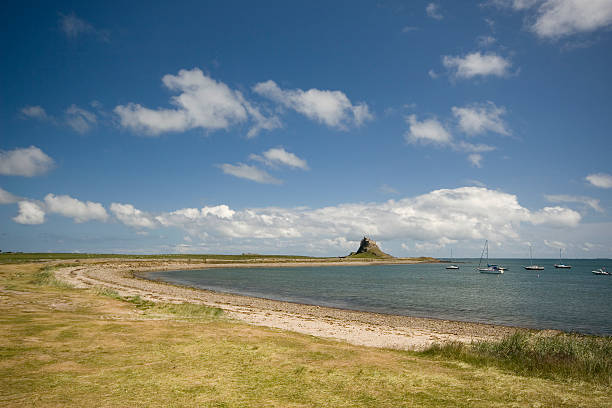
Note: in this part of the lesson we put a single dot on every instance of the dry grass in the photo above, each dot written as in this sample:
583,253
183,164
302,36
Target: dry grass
67,347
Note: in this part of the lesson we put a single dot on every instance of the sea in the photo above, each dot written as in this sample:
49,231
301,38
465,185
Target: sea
572,300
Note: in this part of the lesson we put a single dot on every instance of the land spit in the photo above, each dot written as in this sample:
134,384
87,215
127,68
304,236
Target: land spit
361,328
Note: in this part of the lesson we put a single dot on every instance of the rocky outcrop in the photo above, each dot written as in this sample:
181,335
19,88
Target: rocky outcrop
369,247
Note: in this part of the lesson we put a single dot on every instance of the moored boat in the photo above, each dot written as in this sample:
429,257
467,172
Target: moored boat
490,269
452,266
561,265
601,271
533,267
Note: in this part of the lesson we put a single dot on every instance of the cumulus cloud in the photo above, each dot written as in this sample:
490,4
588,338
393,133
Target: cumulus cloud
279,156
428,131
252,173
30,213
477,64
202,103
432,131
588,201
35,112
72,208
7,198
554,19
466,213
480,118
79,119
557,216
133,217
601,180
333,108
558,18
26,162
433,11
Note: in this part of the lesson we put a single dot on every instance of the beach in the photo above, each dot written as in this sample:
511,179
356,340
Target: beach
132,278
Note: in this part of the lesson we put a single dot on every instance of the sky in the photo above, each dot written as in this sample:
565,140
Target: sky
280,127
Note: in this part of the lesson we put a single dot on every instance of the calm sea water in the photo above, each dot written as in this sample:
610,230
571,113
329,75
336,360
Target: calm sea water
565,299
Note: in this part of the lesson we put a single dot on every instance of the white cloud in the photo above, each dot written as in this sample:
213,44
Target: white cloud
601,180
7,198
588,201
27,162
133,217
30,213
202,103
557,216
332,108
485,40
408,29
477,64
433,11
427,131
555,244
78,210
35,112
252,173
480,118
475,159
279,156
558,18
473,148
80,119
432,74
515,4
73,27
466,213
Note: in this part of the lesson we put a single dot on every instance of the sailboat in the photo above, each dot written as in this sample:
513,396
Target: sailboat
561,265
452,266
533,267
492,269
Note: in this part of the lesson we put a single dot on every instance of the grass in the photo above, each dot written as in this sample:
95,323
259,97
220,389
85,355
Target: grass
22,257
45,277
560,356
65,347
184,310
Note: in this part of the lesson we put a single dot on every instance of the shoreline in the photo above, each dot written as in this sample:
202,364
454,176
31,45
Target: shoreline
356,327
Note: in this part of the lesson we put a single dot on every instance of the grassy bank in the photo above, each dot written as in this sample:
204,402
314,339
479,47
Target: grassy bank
558,356
70,347
22,257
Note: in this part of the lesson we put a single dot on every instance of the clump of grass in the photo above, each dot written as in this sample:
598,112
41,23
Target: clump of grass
46,277
561,356
111,293
184,310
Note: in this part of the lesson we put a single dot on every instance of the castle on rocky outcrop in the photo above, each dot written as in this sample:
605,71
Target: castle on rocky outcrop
368,246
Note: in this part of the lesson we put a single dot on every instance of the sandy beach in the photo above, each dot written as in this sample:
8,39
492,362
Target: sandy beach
355,327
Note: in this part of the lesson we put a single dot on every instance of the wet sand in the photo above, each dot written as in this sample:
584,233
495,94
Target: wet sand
362,328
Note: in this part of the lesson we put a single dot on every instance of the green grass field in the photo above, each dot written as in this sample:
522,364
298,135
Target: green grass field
74,347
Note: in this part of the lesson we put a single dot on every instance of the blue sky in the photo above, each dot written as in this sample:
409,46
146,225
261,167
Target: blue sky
294,128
